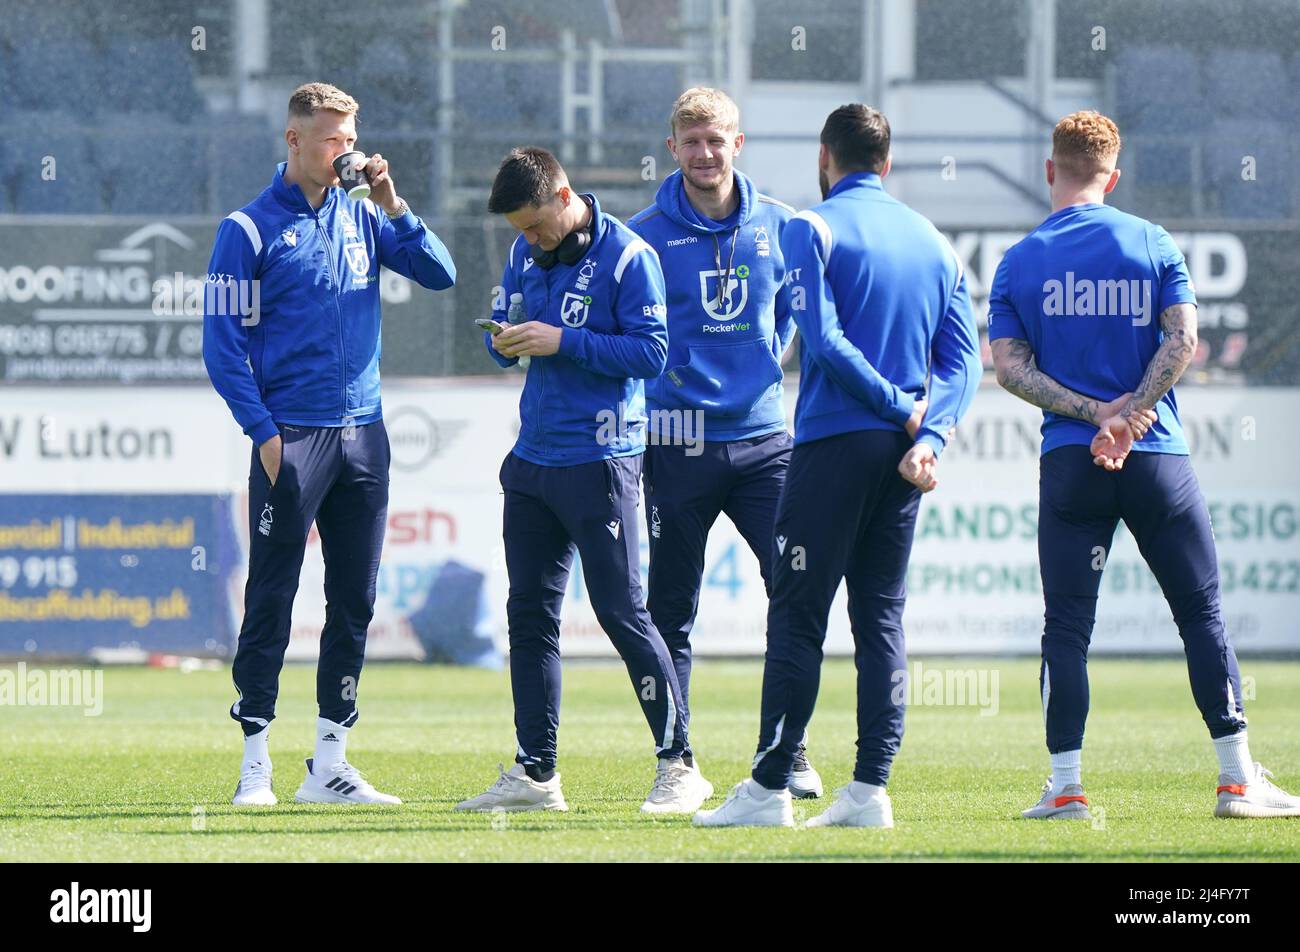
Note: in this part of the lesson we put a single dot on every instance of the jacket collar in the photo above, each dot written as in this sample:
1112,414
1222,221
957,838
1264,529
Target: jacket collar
599,221
292,197
857,180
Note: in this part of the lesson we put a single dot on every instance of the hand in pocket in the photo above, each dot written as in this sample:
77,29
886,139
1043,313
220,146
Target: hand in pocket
271,453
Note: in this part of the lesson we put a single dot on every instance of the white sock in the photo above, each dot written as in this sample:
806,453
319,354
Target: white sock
1235,764
331,743
1066,767
862,792
255,751
758,791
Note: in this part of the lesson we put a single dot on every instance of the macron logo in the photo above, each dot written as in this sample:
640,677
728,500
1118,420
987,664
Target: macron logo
103,905
780,544
613,528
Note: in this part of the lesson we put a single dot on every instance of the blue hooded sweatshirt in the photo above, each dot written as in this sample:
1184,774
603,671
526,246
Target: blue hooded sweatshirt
725,337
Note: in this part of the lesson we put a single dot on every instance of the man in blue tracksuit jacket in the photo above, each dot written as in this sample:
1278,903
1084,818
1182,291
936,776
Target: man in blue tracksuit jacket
880,300
594,329
291,342
718,439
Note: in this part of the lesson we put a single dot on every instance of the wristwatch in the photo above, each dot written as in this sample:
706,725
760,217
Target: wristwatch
402,209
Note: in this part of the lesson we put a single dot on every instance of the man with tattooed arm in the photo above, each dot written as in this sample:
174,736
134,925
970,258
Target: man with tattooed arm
1092,317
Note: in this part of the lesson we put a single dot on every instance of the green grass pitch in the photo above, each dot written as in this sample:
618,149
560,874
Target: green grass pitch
151,778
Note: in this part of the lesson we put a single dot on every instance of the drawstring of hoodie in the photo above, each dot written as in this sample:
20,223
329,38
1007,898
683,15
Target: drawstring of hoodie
724,277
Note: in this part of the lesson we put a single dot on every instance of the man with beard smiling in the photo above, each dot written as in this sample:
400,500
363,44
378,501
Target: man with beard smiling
718,441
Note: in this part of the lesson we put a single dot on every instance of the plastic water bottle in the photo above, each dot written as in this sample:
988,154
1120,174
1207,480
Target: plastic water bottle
516,314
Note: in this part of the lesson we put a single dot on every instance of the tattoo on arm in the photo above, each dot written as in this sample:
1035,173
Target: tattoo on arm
1018,372
1178,321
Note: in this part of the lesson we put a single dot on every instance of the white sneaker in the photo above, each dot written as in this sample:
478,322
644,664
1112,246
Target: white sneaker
254,788
677,788
747,805
515,791
340,783
1257,798
846,811
805,781
1069,804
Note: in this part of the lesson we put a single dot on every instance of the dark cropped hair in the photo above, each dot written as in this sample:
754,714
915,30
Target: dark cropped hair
857,137
527,176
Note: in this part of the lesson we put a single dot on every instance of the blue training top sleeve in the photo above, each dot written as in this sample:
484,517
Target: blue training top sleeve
1004,320
640,351
1175,283
813,305
407,246
232,270
955,369
509,285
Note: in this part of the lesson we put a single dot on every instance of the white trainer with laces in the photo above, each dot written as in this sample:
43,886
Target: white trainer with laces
677,788
1257,799
749,804
805,781
340,783
1069,804
515,791
877,810
254,788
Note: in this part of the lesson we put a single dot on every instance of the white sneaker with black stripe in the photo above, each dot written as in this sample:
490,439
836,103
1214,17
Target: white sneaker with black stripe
340,783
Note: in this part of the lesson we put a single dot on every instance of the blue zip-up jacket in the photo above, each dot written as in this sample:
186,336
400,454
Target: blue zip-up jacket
291,305
724,350
880,300
587,401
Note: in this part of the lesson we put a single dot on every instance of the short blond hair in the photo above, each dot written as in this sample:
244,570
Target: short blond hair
309,98
704,104
1085,144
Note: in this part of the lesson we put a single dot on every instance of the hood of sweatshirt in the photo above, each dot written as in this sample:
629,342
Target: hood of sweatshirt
671,199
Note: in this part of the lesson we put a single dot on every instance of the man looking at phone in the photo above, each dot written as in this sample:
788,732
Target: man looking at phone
593,294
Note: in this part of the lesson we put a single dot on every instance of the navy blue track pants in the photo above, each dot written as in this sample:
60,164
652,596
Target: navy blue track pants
684,496
846,514
337,477
590,508
1160,501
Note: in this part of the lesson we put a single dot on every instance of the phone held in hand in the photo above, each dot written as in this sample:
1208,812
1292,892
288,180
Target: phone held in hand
489,325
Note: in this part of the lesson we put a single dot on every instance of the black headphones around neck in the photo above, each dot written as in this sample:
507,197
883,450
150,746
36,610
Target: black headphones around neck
570,249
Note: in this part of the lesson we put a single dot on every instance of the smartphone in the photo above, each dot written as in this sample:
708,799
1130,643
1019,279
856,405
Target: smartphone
489,325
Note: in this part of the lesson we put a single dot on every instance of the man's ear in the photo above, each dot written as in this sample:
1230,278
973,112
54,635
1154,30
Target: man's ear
1112,182
291,138
738,144
672,147
889,164
1050,171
